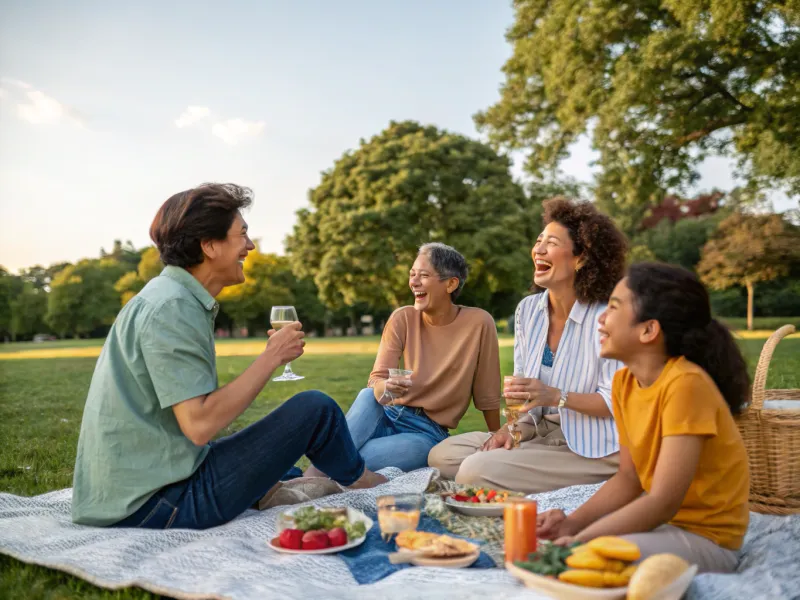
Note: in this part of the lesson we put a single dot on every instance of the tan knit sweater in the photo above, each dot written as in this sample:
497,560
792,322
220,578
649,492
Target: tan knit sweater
451,363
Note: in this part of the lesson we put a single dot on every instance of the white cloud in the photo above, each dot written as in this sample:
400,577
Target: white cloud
38,108
234,131
192,115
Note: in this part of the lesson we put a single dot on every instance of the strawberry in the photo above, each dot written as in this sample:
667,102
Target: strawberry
337,537
316,540
291,538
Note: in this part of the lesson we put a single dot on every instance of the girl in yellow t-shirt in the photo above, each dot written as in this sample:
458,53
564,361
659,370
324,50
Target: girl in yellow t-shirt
683,480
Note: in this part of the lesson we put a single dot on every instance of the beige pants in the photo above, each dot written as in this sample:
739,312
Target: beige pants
693,548
543,464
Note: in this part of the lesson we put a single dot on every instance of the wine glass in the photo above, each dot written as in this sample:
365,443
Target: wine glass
280,317
511,411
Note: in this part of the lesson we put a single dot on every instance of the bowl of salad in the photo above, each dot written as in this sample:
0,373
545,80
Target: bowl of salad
480,502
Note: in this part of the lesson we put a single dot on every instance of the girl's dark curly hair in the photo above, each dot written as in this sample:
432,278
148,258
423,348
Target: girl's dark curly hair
594,236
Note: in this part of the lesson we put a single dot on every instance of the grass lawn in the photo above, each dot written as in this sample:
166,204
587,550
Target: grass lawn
42,403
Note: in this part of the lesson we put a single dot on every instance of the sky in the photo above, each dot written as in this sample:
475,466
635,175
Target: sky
109,108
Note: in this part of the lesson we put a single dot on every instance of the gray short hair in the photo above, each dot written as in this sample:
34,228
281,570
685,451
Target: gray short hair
448,263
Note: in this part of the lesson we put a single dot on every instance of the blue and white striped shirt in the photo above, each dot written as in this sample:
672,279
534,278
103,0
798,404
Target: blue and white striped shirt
577,368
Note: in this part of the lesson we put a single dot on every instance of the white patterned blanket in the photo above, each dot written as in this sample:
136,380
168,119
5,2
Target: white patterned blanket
233,561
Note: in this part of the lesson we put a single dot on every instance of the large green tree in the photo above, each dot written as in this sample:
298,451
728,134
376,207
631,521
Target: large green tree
409,185
660,84
749,249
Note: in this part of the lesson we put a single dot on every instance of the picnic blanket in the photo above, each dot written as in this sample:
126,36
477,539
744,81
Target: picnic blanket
233,561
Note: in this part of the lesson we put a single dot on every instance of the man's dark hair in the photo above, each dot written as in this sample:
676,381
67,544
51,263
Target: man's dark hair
190,217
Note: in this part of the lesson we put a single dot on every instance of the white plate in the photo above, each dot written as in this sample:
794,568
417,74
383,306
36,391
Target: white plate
476,509
353,515
568,591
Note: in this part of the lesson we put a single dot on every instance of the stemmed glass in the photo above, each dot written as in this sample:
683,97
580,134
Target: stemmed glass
511,411
280,317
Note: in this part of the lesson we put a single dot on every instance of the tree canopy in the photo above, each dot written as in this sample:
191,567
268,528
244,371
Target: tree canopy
748,249
409,185
659,84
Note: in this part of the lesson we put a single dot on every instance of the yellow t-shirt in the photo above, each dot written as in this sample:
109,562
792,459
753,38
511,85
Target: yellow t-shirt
684,400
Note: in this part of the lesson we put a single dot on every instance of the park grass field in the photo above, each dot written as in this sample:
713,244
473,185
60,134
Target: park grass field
42,403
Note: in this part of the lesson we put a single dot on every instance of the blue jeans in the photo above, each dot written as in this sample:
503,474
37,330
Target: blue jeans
392,436
241,468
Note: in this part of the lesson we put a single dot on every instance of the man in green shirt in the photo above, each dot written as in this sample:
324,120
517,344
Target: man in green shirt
145,456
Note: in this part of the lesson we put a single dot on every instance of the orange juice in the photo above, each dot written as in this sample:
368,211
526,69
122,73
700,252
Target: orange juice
519,517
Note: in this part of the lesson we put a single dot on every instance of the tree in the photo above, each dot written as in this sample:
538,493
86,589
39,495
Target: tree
128,286
674,208
132,282
10,287
82,297
28,310
678,243
150,264
124,254
660,84
748,249
409,185
269,281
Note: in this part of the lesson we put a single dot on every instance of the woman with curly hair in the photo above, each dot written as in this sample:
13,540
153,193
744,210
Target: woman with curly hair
567,426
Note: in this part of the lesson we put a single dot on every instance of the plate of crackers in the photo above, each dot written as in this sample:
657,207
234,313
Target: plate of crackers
425,549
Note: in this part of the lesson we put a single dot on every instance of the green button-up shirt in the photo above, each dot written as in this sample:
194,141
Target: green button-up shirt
159,352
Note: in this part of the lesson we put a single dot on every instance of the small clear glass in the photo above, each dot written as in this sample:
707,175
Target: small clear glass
398,512
387,399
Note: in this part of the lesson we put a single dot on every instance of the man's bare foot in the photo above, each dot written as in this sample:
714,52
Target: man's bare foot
368,480
313,471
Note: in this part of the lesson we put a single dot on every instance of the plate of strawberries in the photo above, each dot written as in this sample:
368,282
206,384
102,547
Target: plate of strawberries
311,530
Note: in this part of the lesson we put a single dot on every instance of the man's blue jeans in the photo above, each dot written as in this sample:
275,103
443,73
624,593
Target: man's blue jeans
392,436
241,468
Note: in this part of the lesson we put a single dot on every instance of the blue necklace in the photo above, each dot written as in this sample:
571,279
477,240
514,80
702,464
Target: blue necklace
547,357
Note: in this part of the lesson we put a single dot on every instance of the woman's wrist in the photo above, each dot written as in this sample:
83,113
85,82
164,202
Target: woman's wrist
553,396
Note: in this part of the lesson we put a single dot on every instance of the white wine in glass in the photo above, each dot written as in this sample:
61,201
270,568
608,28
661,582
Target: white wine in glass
280,317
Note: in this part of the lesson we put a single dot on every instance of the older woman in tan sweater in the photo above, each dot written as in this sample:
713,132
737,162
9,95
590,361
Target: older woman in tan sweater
453,353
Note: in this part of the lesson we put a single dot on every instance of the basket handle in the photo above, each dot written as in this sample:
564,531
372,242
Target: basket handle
760,379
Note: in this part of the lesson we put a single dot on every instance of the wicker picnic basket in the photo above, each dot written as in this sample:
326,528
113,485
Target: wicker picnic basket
772,439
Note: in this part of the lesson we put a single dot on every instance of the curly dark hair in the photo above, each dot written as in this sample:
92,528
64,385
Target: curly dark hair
602,245
190,217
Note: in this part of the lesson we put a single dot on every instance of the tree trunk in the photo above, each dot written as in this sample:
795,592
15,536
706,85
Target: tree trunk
750,287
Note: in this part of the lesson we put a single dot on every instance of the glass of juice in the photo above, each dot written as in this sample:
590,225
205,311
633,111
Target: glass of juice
398,512
519,519
280,317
